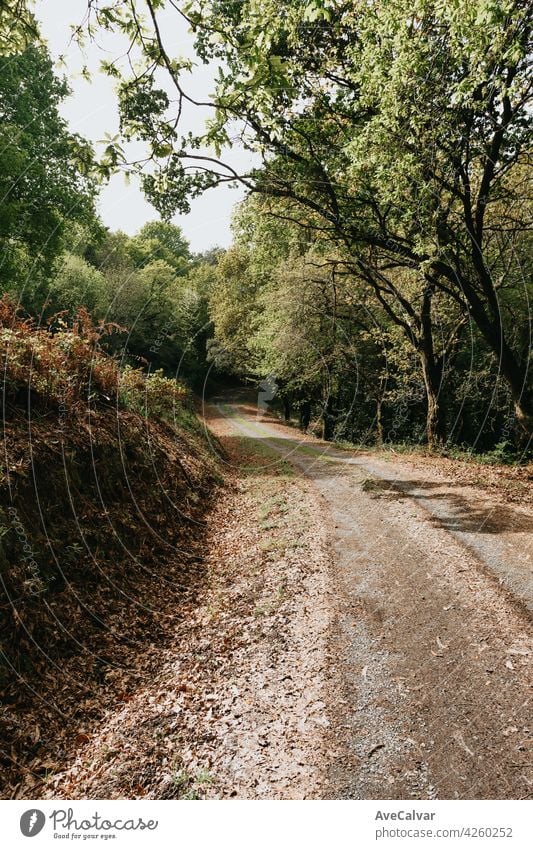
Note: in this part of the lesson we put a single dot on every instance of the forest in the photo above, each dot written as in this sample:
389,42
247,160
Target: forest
380,261
156,514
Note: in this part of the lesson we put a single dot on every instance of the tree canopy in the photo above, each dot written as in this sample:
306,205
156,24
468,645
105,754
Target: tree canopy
398,132
44,173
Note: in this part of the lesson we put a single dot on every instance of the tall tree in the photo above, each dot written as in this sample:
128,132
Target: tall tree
390,128
45,179
160,240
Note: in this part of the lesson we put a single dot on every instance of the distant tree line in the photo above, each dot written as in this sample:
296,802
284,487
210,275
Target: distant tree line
56,256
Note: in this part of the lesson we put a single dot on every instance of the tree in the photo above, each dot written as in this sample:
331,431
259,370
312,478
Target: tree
283,307
77,284
151,287
391,129
160,240
234,310
138,298
191,304
44,174
18,27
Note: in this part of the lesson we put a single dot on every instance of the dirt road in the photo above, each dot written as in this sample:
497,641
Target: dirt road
428,686
360,628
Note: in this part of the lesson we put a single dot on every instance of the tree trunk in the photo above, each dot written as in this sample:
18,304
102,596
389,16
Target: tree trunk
305,414
287,409
514,373
492,331
524,417
327,427
379,421
435,424
432,373
327,420
522,397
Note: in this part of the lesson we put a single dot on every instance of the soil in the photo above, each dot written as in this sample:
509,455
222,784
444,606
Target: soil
364,631
236,708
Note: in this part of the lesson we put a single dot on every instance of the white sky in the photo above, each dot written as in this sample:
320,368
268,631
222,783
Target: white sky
92,111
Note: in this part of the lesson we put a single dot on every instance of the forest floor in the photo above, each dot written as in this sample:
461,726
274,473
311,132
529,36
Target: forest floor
364,632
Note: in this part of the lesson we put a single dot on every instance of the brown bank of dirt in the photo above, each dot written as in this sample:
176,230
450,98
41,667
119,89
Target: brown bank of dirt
237,707
105,480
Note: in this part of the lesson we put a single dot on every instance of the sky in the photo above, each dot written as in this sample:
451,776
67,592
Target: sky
91,110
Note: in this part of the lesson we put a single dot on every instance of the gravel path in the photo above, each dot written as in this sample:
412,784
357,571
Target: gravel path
429,691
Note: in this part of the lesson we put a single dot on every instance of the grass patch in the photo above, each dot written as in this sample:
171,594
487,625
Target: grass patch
273,544
274,504
268,525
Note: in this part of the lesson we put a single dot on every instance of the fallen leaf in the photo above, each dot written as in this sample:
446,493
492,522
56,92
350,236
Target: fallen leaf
459,738
375,749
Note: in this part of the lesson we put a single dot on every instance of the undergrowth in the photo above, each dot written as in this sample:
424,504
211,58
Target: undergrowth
65,365
105,480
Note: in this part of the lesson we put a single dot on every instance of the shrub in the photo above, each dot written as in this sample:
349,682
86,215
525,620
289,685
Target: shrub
65,364
152,395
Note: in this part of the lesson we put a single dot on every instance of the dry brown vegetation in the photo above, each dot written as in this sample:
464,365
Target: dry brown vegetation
101,507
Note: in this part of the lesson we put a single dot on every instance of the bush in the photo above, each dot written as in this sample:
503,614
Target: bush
65,365
153,395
